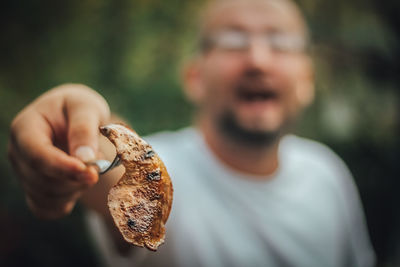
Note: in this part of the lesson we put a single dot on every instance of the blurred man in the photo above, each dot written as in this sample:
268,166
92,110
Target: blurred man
246,193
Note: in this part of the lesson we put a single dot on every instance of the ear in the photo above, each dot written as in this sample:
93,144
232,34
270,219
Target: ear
305,90
192,81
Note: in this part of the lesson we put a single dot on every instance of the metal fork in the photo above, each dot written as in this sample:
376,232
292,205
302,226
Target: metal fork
104,166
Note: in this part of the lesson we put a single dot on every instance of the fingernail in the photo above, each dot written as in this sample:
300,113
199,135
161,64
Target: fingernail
85,153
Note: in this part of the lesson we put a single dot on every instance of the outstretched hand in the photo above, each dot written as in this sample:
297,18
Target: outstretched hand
50,140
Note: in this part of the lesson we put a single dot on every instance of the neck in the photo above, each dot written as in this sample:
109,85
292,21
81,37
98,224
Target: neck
254,160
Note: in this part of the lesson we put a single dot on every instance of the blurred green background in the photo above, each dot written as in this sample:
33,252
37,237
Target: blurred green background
132,53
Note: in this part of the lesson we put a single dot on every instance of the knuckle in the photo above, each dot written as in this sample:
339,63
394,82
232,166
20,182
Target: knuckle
43,166
14,131
14,124
37,163
88,98
104,109
72,88
18,123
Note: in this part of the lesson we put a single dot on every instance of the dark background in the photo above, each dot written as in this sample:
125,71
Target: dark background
132,53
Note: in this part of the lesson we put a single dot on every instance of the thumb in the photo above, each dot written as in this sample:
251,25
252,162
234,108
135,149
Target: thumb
83,133
85,110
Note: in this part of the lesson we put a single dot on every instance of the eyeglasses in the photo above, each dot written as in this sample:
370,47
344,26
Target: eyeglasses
237,40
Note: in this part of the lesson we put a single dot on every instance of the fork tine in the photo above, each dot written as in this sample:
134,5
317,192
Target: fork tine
115,163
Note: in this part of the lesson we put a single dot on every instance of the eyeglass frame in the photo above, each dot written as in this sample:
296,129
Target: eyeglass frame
299,43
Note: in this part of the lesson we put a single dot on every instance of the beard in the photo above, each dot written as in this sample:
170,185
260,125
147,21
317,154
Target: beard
254,86
231,128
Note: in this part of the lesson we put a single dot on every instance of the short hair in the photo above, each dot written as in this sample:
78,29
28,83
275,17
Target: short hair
209,6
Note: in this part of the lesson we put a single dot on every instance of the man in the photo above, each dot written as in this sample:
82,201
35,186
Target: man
246,193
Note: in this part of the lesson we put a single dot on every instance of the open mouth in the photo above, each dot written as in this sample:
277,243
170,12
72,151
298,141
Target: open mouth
256,95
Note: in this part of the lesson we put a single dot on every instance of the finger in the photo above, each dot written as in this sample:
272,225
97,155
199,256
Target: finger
50,198
83,134
45,185
54,212
31,142
84,118
52,190
47,200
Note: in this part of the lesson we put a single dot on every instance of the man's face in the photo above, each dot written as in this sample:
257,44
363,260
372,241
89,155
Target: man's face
254,71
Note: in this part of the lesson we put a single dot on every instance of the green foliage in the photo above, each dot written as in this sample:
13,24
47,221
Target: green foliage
132,53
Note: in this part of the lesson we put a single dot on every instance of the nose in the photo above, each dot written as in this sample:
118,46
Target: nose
259,55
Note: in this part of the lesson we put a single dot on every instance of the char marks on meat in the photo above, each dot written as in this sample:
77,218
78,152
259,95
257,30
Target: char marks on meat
141,201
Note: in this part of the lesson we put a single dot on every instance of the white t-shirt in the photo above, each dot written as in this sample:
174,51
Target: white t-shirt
307,214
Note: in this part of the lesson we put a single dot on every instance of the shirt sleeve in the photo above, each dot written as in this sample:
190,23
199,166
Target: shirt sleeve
360,251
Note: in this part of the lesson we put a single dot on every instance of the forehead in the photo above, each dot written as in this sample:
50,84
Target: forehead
253,15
